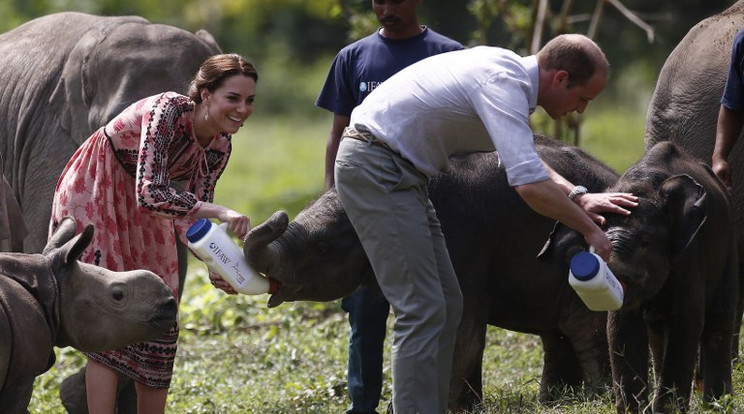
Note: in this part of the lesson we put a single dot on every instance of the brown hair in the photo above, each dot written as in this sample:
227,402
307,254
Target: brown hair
216,69
576,54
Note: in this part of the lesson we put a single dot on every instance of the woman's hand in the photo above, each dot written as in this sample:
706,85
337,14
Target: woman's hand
238,224
220,283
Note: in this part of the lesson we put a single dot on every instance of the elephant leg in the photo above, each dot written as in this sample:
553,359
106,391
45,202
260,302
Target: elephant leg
676,371
656,345
740,308
627,336
716,364
722,324
587,333
466,384
561,368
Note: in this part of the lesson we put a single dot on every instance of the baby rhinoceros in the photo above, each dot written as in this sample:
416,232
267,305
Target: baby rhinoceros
52,299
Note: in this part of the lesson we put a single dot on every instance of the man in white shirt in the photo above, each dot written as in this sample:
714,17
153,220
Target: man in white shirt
403,133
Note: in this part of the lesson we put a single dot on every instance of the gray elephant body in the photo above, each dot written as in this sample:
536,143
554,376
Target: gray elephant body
685,103
52,299
64,75
676,256
493,238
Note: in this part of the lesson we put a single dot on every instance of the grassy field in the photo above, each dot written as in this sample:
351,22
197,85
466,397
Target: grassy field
237,356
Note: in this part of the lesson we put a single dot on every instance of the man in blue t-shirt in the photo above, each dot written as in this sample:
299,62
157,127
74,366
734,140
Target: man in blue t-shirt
731,113
355,72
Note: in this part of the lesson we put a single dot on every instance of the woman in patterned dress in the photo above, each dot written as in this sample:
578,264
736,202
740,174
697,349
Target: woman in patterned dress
122,181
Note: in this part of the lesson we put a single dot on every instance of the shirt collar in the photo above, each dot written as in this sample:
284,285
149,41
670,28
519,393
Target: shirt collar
533,71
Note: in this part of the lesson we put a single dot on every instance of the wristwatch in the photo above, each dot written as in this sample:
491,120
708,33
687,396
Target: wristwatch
578,190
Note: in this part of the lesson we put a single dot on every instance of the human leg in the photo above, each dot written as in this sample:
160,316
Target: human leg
100,384
454,305
386,201
368,312
150,400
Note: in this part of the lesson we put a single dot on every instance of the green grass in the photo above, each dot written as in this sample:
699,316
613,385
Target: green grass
237,356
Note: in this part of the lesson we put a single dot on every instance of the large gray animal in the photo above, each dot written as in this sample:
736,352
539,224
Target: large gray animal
676,256
64,75
684,106
52,299
493,238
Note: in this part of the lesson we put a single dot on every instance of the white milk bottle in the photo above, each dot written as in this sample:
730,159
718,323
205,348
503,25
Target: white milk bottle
216,248
594,282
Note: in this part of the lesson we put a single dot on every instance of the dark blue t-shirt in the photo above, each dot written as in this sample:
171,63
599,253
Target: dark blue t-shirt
733,93
359,67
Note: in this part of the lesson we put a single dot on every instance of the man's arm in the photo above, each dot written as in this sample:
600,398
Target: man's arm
595,203
549,199
729,126
334,138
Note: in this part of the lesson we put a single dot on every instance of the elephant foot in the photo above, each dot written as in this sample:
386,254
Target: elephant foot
74,398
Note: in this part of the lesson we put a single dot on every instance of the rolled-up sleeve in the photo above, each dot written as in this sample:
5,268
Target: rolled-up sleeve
502,105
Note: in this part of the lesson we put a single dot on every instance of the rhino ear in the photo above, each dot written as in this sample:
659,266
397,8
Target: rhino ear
64,231
64,238
74,248
686,203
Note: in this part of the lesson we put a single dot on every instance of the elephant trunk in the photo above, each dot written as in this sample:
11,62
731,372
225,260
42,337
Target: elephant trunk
258,248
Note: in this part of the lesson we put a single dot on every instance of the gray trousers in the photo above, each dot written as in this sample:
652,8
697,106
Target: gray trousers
386,201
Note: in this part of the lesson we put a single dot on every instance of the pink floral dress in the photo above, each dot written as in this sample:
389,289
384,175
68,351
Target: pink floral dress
122,181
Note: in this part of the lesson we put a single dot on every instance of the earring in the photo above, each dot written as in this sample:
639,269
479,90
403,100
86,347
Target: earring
206,113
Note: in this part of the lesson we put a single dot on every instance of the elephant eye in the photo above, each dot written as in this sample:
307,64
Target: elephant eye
644,240
117,294
322,247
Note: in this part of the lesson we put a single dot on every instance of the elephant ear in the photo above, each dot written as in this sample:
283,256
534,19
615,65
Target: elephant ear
73,89
207,38
562,244
686,204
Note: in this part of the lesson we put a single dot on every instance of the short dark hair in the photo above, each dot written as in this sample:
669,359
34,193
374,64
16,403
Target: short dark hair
576,54
216,69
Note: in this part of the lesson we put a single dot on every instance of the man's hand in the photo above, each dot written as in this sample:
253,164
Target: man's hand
723,170
596,203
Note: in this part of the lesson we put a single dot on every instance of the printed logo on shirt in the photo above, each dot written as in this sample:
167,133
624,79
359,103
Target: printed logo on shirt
368,86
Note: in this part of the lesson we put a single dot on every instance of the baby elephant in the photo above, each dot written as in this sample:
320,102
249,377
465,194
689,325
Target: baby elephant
676,256
52,299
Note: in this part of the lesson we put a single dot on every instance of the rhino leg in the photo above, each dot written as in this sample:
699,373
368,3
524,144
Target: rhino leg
182,265
15,397
74,398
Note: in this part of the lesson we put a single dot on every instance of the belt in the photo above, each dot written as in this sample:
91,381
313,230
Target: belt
366,137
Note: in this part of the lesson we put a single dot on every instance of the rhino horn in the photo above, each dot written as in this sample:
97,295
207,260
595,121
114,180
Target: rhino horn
256,246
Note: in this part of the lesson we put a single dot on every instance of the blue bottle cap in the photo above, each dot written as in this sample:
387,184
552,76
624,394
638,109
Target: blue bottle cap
198,230
584,266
